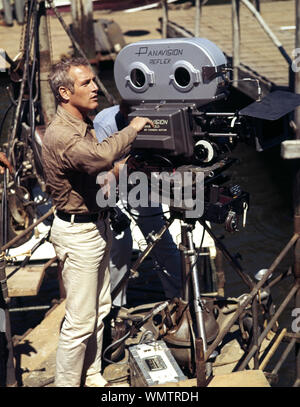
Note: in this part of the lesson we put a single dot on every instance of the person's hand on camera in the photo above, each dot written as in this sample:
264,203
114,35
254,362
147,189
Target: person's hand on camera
138,123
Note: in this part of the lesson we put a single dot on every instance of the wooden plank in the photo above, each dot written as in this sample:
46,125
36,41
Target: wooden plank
26,281
36,347
245,378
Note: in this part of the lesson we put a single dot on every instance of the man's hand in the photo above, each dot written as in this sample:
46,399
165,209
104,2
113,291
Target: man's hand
138,123
4,163
116,168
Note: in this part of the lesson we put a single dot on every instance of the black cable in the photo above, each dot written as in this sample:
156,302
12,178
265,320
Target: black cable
4,212
117,342
135,328
27,258
4,117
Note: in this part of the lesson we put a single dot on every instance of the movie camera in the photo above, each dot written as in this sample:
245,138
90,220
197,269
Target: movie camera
176,82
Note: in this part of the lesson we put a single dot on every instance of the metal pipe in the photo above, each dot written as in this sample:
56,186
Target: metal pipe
235,38
29,229
13,133
33,308
284,356
196,291
198,7
27,258
141,258
267,29
280,277
269,326
234,263
10,377
83,26
164,6
250,296
273,349
47,97
255,330
185,264
4,208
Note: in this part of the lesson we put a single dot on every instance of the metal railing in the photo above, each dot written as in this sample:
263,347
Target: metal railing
236,32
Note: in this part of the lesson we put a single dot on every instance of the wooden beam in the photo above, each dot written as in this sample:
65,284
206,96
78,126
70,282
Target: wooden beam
26,281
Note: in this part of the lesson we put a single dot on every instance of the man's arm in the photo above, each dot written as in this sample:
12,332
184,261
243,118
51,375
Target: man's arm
81,154
138,123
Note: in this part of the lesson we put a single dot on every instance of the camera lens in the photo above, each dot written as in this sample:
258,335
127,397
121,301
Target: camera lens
138,78
182,77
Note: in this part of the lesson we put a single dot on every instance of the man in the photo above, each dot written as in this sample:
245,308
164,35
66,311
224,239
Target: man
149,220
72,158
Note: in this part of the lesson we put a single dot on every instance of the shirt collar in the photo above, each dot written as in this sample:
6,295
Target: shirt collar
79,124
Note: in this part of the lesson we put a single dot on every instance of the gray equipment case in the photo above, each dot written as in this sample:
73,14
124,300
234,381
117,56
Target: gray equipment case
151,364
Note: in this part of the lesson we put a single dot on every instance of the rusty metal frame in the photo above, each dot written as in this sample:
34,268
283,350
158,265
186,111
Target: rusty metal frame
251,298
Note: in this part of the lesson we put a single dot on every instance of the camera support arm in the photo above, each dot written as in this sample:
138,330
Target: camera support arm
155,239
234,263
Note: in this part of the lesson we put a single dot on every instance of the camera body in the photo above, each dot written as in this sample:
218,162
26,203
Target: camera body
185,70
175,83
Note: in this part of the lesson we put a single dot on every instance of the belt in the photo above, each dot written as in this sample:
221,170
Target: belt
81,218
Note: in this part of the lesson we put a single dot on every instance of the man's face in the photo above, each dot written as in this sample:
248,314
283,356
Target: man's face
85,95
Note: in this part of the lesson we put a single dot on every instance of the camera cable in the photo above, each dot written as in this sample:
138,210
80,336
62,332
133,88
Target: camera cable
134,329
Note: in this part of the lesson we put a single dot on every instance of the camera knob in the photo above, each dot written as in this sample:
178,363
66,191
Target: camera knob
231,222
235,190
204,151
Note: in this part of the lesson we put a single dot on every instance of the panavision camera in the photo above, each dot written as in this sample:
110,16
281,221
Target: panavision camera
176,83
169,81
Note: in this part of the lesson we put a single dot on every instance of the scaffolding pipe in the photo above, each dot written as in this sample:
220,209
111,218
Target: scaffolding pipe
25,231
47,97
164,6
296,192
255,331
235,38
269,326
198,7
250,296
273,349
268,31
284,356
